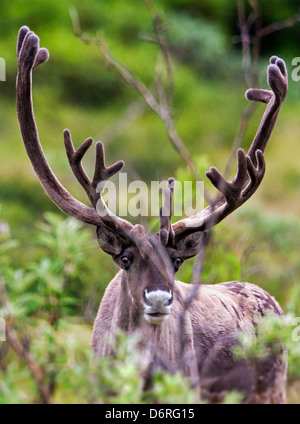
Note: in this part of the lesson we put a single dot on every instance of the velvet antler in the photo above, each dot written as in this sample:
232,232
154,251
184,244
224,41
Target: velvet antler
30,55
251,167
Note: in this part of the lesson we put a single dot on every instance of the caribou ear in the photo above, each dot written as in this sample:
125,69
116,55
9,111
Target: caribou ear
191,244
109,241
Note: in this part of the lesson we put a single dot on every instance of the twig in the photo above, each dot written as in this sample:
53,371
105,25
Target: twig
160,107
17,346
256,43
278,26
134,111
195,288
244,123
158,26
245,40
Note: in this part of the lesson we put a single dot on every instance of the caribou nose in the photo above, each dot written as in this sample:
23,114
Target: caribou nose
158,299
157,305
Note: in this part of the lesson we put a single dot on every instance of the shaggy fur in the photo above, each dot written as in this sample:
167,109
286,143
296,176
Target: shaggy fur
211,324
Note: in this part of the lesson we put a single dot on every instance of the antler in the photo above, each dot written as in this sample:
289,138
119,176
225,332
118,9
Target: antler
94,187
251,167
166,233
29,57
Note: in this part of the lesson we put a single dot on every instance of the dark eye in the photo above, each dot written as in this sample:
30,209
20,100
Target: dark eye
178,262
126,262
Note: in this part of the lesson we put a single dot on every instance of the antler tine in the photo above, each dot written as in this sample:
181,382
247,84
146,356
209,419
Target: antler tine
75,157
256,173
93,188
251,167
166,233
278,82
241,188
101,175
22,34
101,172
230,190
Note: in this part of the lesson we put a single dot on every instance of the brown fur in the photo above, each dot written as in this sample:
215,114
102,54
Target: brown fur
211,326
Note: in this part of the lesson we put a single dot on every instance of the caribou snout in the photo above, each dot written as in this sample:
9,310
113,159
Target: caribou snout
157,305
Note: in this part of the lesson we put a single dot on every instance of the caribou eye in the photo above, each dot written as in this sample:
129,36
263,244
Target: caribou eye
126,262
177,263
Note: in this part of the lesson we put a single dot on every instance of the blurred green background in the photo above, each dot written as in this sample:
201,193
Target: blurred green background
53,270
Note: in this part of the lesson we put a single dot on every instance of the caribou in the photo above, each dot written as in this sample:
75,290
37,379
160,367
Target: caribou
144,297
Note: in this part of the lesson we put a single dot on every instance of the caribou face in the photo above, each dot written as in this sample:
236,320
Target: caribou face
149,273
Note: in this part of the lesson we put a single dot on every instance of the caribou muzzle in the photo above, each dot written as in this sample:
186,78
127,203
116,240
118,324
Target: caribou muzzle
157,305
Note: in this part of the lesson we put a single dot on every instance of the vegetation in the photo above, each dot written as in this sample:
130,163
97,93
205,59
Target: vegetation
52,272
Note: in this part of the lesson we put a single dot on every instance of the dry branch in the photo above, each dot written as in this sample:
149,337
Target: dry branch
22,352
161,105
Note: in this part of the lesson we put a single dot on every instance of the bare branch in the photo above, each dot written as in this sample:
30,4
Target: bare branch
194,292
279,26
19,349
159,27
133,112
244,123
245,40
162,110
